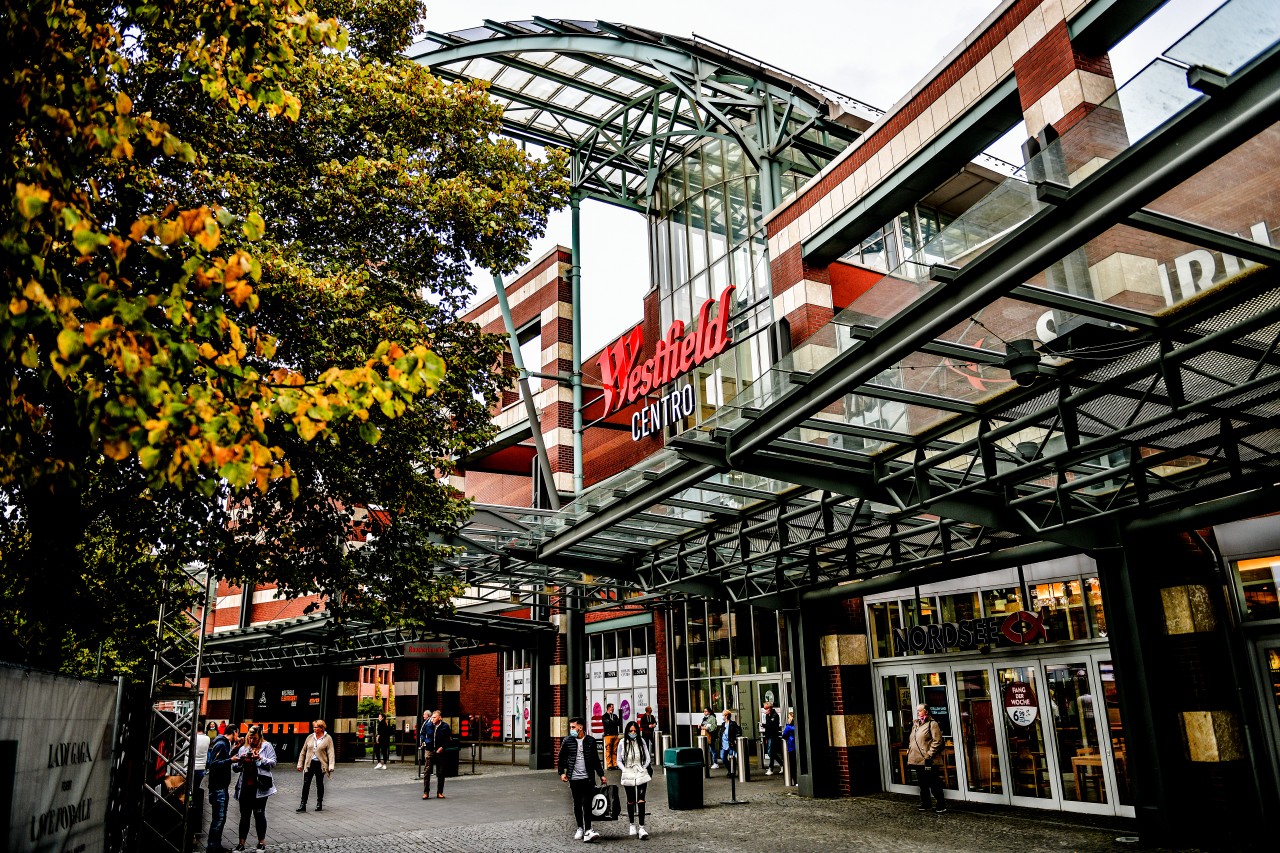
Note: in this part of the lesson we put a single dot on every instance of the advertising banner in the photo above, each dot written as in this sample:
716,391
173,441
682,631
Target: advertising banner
55,761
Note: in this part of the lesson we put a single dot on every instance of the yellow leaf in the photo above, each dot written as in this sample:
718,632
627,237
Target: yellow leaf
18,306
31,200
123,105
116,449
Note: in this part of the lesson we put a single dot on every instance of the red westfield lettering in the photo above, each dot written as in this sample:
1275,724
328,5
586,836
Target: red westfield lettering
625,377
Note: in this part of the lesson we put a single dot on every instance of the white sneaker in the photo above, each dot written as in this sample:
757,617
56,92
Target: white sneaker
632,830
590,835
768,772
715,766
644,834
577,834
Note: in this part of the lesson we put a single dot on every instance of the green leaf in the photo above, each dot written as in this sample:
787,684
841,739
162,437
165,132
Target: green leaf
254,226
236,473
369,433
69,343
88,241
148,457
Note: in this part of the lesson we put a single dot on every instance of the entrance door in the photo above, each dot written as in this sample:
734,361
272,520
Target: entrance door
1268,651
1031,765
898,706
979,711
1082,748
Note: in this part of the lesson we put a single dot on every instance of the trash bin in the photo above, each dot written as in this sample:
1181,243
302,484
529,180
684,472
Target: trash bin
684,777
450,761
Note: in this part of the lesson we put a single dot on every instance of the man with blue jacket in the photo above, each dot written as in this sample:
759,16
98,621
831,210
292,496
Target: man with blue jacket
218,772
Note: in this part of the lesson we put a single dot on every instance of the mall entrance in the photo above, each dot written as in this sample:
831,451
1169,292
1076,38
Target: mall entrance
1044,732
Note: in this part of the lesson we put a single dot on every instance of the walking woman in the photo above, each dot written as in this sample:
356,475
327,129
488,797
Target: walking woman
255,762
635,759
926,740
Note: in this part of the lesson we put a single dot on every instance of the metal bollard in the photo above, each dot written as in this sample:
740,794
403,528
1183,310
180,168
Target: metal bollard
473,759
787,781
744,761
666,744
513,739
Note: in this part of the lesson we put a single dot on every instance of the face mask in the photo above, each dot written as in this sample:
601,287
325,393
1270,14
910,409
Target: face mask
631,735
578,734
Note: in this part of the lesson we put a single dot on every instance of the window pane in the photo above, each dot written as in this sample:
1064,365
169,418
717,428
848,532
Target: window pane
978,730
743,649
697,640
765,628
999,602
610,645
718,633
1061,608
1076,729
933,695
898,713
1093,594
1026,738
1259,581
884,618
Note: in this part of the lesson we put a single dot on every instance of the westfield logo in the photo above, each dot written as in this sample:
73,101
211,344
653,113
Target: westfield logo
626,377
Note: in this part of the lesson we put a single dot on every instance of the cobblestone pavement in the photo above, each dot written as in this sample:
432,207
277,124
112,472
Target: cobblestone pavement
504,808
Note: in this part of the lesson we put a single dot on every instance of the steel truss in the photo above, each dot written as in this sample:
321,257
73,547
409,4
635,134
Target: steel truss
644,99
1177,422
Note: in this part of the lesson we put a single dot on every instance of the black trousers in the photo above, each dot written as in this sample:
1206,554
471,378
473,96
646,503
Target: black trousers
316,769
252,804
930,783
635,796
583,790
381,751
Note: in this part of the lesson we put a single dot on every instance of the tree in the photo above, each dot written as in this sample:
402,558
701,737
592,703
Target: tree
235,262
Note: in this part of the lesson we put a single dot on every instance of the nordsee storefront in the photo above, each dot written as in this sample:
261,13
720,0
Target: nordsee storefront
1016,668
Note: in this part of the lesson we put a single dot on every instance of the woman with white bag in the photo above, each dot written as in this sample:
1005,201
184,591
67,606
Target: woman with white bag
635,760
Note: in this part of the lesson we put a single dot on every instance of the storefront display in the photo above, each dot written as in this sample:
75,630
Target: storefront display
1026,698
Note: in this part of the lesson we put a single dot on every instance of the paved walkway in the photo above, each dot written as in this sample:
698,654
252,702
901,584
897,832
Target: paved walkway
502,808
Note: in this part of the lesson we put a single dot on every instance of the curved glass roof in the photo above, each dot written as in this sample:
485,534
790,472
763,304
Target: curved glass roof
627,101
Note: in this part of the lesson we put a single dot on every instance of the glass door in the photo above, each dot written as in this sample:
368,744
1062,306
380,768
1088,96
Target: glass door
1081,747
1031,768
978,712
897,708
933,691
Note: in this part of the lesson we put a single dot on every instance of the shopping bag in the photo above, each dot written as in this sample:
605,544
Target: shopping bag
605,805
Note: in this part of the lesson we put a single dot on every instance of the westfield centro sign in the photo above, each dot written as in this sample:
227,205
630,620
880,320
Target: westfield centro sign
627,376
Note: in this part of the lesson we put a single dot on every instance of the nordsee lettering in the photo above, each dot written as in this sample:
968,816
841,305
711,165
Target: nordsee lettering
625,377
69,754
61,819
1017,628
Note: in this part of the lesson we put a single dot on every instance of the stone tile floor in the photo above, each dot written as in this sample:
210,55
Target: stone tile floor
505,808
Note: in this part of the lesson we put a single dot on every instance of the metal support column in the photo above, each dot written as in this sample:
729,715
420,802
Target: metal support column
815,776
542,746
1129,650
575,657
535,422
575,283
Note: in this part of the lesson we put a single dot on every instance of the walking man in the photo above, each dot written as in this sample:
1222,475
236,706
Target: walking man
612,732
317,757
579,765
771,730
434,744
648,727
218,772
382,742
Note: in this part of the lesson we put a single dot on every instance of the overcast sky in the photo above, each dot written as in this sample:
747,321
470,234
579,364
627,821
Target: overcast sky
873,50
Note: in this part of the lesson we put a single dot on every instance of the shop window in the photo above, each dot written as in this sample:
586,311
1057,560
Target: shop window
884,618
960,606
743,646
697,640
1259,580
784,645
718,631
765,629
1061,608
610,645
1093,595
1002,601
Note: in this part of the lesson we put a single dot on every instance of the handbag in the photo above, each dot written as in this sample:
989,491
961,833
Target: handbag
605,804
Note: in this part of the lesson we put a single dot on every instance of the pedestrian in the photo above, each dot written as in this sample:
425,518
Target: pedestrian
648,726
771,734
711,728
255,762
218,771
437,738
612,731
789,739
317,758
381,742
925,741
579,765
730,731
202,753
636,762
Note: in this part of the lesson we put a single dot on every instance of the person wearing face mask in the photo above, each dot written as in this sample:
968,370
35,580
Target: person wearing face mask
579,765
925,741
635,759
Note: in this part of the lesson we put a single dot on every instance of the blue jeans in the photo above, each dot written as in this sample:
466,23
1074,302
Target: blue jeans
217,820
